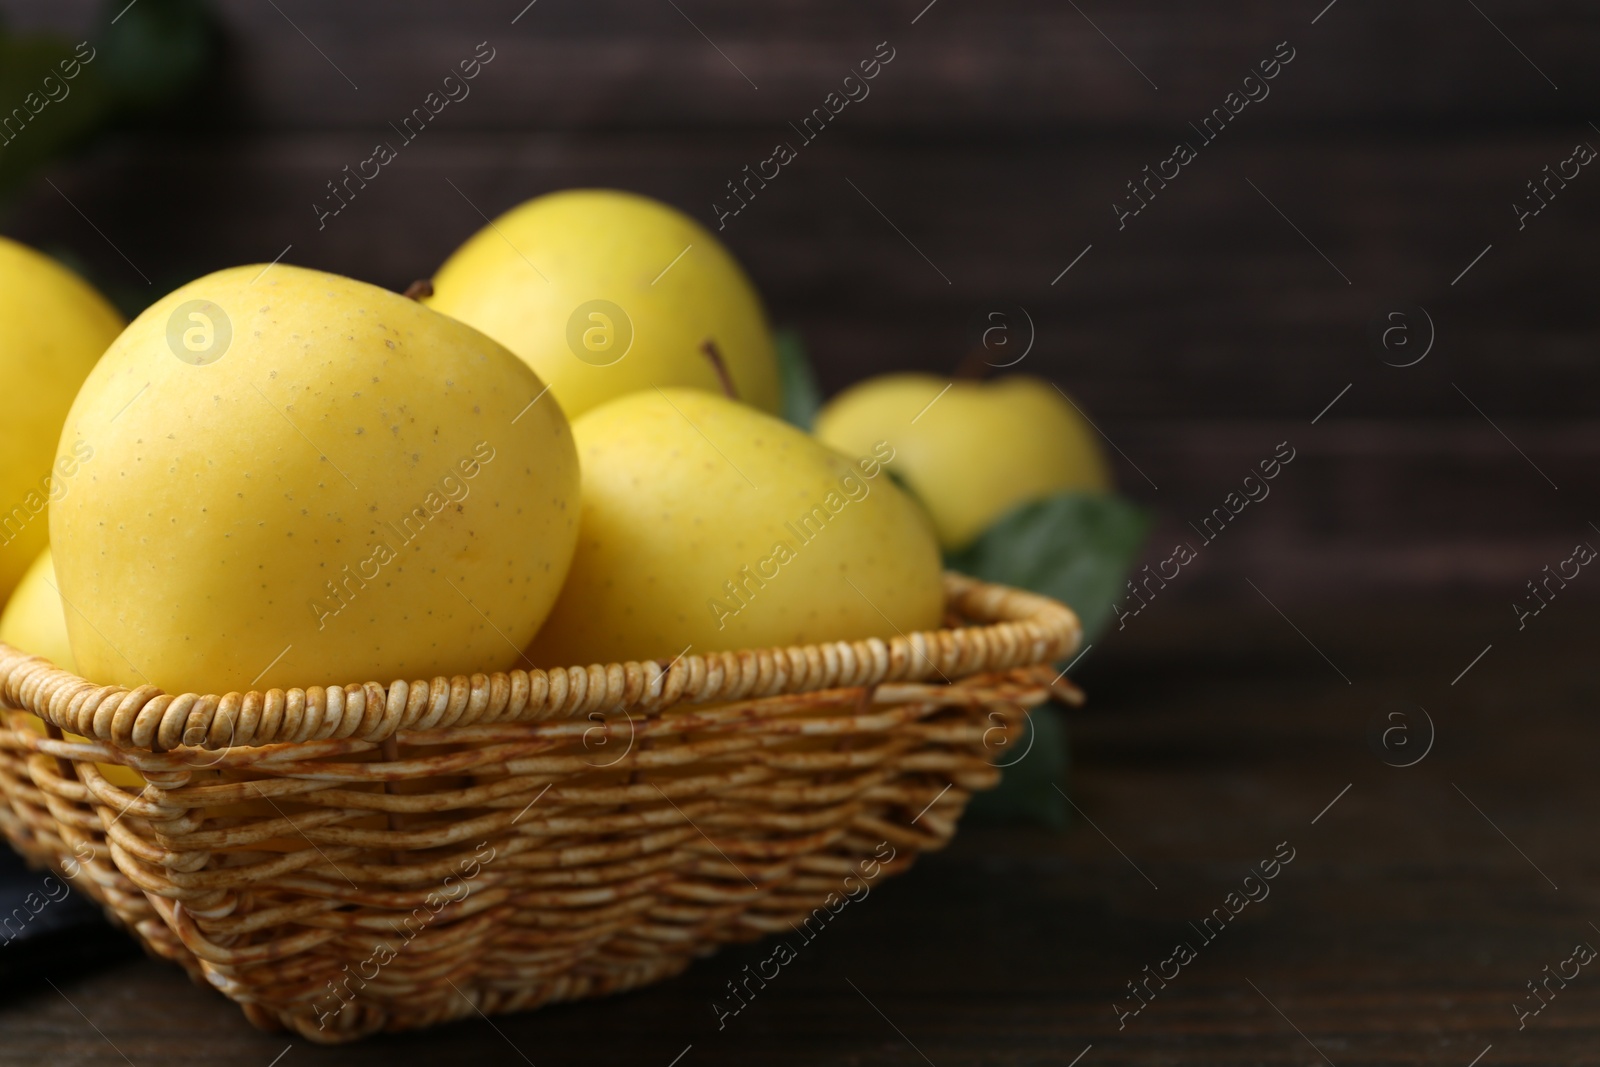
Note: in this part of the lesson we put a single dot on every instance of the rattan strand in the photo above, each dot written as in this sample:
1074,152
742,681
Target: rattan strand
1030,629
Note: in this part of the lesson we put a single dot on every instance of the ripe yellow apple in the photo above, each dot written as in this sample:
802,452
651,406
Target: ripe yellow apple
605,293
34,622
53,326
711,525
974,452
301,479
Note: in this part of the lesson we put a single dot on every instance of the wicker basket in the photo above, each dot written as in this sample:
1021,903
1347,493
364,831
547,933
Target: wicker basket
343,861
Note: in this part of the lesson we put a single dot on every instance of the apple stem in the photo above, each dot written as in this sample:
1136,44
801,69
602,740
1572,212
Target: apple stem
420,289
709,347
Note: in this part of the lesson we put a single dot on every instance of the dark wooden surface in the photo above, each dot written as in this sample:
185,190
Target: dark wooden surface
1402,932
996,141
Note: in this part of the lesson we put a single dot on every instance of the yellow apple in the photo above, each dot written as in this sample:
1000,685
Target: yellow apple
605,293
33,622
33,619
712,526
53,326
970,451
301,480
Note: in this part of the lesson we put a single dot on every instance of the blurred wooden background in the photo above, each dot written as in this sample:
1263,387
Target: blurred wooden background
1200,336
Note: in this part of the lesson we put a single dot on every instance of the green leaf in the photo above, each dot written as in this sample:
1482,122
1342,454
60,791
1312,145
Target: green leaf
1027,792
801,397
1076,547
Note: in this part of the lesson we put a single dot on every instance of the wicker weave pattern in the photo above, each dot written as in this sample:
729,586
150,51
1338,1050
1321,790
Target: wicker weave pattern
345,860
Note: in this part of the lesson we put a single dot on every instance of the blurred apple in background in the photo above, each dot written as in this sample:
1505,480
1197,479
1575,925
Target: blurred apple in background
1011,473
970,450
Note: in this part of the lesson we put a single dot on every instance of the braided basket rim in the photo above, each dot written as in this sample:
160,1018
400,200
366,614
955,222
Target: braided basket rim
1009,628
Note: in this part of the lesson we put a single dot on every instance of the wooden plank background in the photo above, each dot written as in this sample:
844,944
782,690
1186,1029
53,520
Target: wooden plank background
1200,335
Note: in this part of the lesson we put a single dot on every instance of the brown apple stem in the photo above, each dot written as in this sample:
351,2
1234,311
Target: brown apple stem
973,366
709,347
420,289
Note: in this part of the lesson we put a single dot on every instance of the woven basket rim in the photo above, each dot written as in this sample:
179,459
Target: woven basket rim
1011,628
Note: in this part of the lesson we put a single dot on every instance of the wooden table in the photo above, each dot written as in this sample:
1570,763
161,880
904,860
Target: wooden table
1419,901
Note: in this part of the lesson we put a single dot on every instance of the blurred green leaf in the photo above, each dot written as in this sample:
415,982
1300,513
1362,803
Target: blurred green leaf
801,397
1076,547
1027,792
139,60
42,113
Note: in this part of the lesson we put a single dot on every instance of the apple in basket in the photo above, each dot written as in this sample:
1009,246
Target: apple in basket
33,621
53,326
711,525
301,478
605,293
